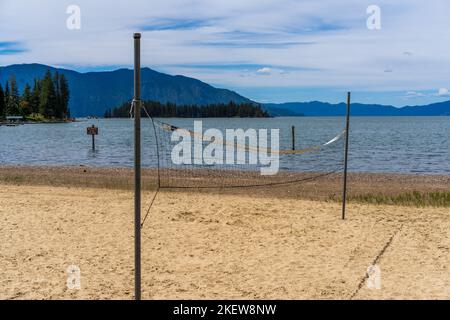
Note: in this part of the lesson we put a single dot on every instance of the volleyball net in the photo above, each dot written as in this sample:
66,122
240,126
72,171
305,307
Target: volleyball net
242,153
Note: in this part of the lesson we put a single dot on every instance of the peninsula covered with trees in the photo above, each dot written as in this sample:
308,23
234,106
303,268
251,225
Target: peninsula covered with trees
169,110
47,100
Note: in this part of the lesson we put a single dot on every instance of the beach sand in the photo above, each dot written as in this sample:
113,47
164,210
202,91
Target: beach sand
216,246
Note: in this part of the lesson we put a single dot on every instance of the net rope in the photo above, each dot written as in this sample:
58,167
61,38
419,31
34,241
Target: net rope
171,128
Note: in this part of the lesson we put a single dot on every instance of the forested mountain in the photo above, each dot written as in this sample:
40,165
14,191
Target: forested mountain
94,92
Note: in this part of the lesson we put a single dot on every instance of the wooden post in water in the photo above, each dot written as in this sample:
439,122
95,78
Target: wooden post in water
293,137
137,166
347,126
93,142
93,131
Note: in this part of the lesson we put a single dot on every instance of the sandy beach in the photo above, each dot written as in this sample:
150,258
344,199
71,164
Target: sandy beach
216,246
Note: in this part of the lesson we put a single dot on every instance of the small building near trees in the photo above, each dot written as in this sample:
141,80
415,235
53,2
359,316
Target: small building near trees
14,119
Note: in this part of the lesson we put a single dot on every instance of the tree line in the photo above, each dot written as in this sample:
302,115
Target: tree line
169,110
48,99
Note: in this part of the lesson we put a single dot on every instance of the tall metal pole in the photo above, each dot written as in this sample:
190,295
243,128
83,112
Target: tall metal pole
293,137
347,126
137,166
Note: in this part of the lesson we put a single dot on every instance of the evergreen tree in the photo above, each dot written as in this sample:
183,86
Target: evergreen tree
64,95
57,106
25,108
13,101
47,99
107,114
26,93
2,103
35,96
6,95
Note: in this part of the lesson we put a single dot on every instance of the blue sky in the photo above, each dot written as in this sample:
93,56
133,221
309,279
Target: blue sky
267,50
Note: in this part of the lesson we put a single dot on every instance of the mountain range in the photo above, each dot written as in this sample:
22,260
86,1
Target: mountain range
320,109
94,92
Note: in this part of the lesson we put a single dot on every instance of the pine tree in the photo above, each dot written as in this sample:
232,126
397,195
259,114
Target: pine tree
57,107
64,95
35,96
12,105
26,96
47,101
2,103
6,95
25,108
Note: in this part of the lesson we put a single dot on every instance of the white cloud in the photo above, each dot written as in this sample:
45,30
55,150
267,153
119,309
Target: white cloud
443,92
271,71
265,70
414,94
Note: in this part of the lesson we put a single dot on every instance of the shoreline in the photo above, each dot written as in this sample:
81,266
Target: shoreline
5,123
44,121
376,188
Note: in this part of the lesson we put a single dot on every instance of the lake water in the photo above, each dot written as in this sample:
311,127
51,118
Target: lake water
377,144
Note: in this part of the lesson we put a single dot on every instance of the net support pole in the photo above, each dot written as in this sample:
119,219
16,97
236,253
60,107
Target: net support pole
293,137
137,166
347,126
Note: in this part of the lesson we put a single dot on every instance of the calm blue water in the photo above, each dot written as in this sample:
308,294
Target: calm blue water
377,144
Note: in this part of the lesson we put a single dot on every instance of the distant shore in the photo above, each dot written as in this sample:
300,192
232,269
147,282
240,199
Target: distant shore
376,188
7,123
